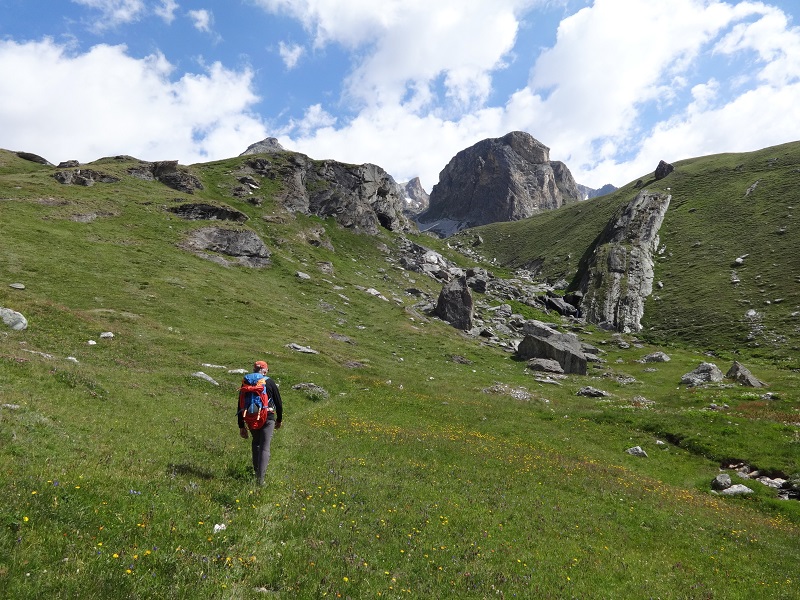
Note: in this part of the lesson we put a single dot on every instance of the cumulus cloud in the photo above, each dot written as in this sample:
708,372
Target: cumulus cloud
114,12
290,54
111,103
166,10
201,19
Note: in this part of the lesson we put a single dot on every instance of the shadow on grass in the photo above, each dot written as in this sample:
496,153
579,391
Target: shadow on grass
186,469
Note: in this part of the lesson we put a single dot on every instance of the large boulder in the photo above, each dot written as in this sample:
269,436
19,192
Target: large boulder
13,319
743,376
499,179
617,274
541,341
455,304
704,373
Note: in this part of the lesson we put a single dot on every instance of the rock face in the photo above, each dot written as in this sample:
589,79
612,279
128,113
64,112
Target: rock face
360,197
265,146
498,179
618,274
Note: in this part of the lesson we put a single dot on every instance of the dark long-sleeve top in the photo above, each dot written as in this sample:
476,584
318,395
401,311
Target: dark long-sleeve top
275,395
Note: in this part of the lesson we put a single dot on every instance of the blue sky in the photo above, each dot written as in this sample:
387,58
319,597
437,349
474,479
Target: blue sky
610,86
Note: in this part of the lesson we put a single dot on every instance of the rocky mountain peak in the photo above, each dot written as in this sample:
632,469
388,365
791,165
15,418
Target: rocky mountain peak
498,179
417,199
265,146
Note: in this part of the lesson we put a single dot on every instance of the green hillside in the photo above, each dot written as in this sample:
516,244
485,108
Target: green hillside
723,207
431,464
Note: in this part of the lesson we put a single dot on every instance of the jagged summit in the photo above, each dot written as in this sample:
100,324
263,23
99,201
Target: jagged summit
498,179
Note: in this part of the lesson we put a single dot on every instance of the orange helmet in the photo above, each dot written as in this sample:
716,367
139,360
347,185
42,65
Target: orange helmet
260,364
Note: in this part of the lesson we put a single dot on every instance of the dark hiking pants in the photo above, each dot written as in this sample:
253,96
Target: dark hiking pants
261,441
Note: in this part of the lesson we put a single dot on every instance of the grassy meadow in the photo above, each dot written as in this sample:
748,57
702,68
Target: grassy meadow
419,475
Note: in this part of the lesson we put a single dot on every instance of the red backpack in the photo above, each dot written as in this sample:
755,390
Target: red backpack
254,402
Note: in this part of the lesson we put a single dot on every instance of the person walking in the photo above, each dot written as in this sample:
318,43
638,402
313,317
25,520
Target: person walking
261,436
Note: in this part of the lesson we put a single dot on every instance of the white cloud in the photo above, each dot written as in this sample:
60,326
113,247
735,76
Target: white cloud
290,54
114,12
413,44
201,19
166,10
110,103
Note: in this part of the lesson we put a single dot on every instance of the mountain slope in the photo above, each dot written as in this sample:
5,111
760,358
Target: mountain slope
723,208
414,461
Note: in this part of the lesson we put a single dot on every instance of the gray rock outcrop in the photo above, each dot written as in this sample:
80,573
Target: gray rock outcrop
498,179
201,211
362,198
243,246
618,274
455,304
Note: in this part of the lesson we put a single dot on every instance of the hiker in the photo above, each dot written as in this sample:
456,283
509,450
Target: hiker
260,430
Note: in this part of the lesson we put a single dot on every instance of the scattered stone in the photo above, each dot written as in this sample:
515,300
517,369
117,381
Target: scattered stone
545,364
202,375
238,371
210,366
354,364
301,275
592,392
637,451
461,360
656,357
341,338
11,406
736,490
721,482
106,335
17,286
299,348
313,391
